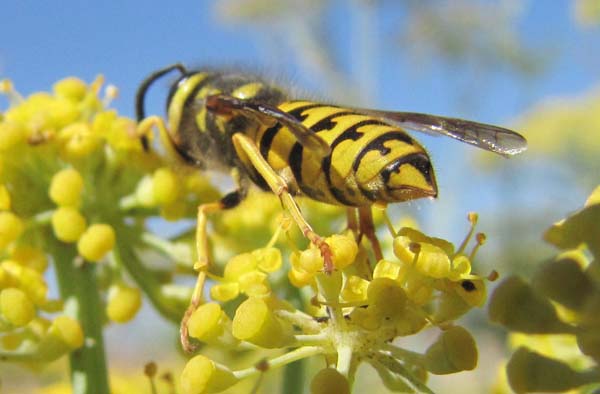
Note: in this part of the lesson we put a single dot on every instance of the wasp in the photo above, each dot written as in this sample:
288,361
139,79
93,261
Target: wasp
339,155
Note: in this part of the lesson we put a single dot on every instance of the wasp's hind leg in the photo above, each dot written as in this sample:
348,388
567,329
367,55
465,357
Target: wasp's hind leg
203,263
352,221
246,145
367,228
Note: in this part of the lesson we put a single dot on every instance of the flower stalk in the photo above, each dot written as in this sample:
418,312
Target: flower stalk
78,288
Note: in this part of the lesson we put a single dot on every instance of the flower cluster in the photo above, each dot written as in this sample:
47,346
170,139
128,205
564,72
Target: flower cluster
353,315
76,188
554,319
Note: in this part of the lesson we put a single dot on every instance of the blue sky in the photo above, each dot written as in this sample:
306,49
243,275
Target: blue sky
44,41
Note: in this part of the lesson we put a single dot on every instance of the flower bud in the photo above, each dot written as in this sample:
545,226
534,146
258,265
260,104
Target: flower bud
11,228
310,261
565,282
255,322
300,278
210,324
165,186
454,351
68,224
96,241
79,140
329,380
64,335
239,265
225,291
201,375
472,291
531,372
11,134
16,307
355,289
433,261
386,269
344,250
123,303
254,284
205,324
516,306
267,259
30,257
66,187
144,192
386,298
70,88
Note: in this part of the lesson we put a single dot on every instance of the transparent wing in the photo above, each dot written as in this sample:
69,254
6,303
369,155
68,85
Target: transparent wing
493,138
269,115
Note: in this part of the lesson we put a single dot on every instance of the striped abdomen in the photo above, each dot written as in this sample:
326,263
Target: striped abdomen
370,161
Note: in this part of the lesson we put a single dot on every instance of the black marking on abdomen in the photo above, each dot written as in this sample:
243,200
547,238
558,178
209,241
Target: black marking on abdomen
267,139
327,123
297,112
295,161
350,133
269,135
418,160
378,145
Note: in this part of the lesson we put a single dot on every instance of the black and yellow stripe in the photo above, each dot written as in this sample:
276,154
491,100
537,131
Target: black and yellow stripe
366,157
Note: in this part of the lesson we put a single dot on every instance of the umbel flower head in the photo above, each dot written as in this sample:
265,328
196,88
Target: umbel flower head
554,320
357,314
76,189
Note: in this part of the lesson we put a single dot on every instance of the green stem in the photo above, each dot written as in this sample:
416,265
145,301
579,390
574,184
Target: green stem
293,377
294,374
145,279
79,290
282,360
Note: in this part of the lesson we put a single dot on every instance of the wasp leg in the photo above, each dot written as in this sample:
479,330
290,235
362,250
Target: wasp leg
352,222
367,228
244,144
145,128
229,201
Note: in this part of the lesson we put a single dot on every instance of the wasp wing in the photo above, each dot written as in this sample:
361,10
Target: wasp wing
496,139
268,115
